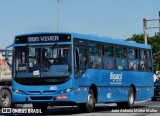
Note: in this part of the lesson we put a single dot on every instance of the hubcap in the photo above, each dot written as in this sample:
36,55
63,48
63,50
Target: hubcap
90,100
5,99
131,97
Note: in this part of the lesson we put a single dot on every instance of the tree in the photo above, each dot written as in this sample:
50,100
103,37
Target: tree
154,41
139,38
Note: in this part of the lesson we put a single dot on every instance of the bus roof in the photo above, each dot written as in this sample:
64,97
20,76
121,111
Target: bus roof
111,41
97,38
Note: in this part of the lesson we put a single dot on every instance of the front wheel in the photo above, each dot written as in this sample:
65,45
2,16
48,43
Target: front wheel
89,106
5,98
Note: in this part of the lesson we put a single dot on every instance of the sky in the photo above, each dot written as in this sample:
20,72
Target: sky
118,19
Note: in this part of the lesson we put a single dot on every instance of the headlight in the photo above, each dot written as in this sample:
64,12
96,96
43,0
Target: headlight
66,90
18,91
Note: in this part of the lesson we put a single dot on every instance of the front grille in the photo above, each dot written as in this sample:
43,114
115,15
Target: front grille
41,92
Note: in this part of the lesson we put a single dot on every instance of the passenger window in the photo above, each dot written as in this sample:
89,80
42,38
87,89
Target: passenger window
133,59
121,58
108,63
108,57
95,60
131,54
121,52
108,51
149,60
142,60
133,65
121,64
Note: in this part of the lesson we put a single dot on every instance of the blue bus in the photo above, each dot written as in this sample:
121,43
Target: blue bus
74,69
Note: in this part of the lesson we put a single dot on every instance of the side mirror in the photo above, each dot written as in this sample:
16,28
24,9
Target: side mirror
7,55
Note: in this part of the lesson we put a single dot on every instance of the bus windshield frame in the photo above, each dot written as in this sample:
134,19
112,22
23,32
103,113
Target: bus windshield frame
43,61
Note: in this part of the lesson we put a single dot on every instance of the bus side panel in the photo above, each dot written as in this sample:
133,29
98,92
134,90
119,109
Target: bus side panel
113,85
143,93
108,91
112,94
81,95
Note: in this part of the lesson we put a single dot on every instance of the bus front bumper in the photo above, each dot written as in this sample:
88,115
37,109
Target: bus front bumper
50,98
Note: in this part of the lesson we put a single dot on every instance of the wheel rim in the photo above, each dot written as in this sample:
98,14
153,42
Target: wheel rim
90,100
5,99
131,96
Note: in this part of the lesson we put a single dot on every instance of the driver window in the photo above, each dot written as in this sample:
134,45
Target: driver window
80,58
80,55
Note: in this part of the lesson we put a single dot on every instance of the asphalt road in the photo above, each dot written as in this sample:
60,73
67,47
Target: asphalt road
148,107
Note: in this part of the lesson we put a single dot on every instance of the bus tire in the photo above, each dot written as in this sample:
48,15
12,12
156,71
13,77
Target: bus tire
5,98
42,106
130,102
131,98
89,106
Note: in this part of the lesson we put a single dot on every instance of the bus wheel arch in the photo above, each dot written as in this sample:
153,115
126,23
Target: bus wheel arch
91,100
131,98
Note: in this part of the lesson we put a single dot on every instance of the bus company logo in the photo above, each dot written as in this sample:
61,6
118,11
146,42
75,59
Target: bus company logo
116,78
53,88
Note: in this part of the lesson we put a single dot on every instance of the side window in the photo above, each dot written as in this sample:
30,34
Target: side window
133,59
108,50
121,58
142,60
108,57
80,59
149,60
95,60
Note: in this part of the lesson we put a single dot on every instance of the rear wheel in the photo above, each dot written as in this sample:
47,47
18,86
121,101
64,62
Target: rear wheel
130,102
131,97
42,106
5,98
89,106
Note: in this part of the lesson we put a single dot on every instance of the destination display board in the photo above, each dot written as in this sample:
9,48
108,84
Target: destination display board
42,38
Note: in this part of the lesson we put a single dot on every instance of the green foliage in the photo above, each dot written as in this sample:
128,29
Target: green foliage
154,41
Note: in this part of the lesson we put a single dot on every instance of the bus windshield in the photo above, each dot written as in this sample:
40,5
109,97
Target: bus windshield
42,61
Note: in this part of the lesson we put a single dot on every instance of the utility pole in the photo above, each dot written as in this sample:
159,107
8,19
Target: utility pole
145,27
145,30
159,21
58,15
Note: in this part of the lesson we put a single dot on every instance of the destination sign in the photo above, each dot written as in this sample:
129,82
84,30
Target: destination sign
43,38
